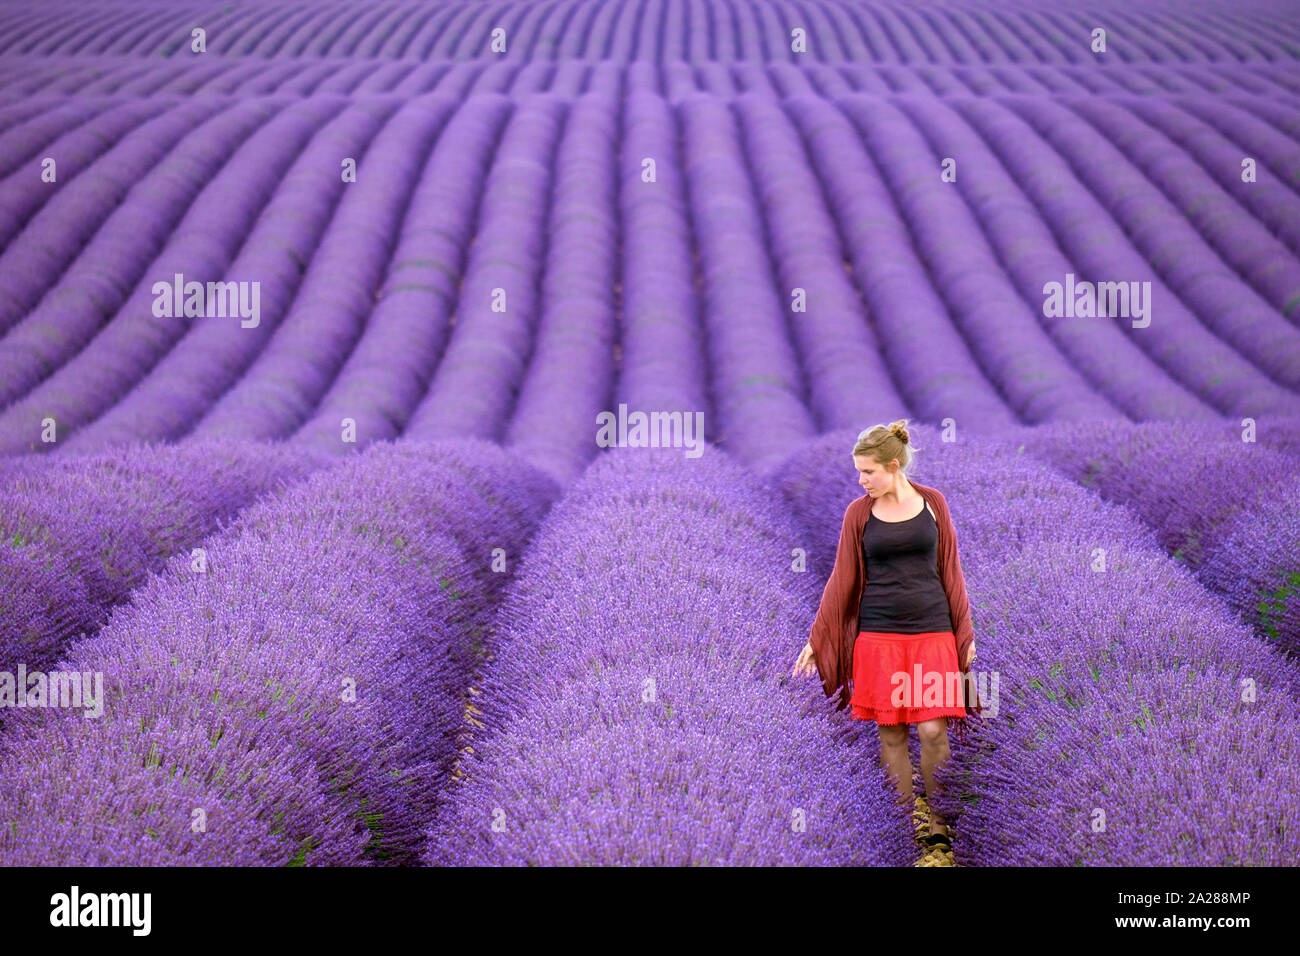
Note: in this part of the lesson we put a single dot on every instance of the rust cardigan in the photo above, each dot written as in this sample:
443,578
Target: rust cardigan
835,628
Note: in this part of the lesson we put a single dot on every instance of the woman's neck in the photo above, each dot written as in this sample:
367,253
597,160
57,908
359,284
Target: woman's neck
903,493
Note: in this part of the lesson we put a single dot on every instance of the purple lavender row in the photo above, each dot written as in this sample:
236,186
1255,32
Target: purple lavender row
300,701
295,367
1003,327
783,80
1122,78
99,281
344,34
145,20
1098,679
1236,118
24,191
1166,768
16,114
837,348
23,76
330,28
687,39
85,76
94,187
131,78
472,391
99,76
138,21
758,381
835,32
1267,199
1283,118
388,371
1139,713
414,36
1175,337
930,81
1282,434
1123,376
461,79
87,30
935,370
570,375
298,37
1030,80
280,247
733,79
1015,41
1255,565
1266,287
393,28
661,358
250,31
1268,81
333,31
207,77
1221,301
200,249
224,680
1165,35
25,141
79,533
639,711
1237,529
942,40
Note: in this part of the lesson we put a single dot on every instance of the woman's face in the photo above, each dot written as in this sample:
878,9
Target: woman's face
873,477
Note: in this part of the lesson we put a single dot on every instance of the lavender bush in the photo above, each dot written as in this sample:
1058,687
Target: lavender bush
1224,507
78,533
302,698
1104,671
640,710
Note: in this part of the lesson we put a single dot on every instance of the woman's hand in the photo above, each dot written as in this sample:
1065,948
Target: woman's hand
807,662
970,655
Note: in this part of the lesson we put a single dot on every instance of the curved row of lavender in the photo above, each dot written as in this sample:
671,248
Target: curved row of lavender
659,30
51,80
949,275
640,710
301,701
306,220
1136,724
1223,506
78,533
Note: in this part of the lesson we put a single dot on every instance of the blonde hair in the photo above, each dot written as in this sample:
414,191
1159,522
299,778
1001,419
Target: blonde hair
884,443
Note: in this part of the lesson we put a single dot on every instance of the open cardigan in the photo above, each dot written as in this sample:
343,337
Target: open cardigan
835,628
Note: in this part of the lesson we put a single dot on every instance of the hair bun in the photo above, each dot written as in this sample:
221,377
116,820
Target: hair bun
900,433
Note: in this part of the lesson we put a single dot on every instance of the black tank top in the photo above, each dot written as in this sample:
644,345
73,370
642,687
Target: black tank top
903,593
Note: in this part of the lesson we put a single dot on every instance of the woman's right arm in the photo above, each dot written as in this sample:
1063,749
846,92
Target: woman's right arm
835,603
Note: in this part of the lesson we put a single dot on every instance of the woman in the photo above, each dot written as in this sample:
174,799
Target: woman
913,621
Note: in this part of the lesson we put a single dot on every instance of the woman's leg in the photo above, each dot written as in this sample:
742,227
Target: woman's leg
895,758
934,751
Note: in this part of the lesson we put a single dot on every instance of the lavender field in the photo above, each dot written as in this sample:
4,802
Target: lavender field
426,427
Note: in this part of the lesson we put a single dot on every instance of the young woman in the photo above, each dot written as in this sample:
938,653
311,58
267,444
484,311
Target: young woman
895,609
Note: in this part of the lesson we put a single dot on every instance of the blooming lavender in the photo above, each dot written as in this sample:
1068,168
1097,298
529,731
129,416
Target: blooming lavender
79,532
640,709
1236,529
452,247
301,701
1131,706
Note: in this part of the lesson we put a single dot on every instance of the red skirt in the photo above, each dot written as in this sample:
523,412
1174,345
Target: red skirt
906,678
